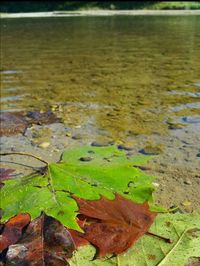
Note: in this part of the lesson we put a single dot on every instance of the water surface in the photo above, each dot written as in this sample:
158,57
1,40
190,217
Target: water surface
114,75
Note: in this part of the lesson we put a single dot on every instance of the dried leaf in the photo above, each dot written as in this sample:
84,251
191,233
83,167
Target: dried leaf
114,225
12,230
182,229
45,242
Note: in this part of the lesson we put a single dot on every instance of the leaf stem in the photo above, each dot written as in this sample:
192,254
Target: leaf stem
25,154
167,240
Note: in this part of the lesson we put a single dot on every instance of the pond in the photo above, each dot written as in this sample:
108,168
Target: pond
122,74
121,78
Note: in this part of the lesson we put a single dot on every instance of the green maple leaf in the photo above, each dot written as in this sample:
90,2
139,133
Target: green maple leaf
87,172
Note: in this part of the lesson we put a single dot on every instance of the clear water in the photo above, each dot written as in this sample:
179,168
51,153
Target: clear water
114,74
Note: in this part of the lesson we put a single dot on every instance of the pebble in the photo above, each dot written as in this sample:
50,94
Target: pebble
101,143
44,145
155,184
147,152
77,136
152,149
16,252
187,182
68,134
56,150
125,147
143,168
186,203
86,159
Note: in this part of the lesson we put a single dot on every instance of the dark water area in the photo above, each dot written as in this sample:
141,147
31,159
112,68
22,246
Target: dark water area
120,76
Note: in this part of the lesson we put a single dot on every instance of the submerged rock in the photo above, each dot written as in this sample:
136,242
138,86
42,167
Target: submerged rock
101,143
77,136
40,118
126,147
44,145
152,149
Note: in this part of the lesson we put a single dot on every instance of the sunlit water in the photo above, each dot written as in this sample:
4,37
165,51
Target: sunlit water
119,75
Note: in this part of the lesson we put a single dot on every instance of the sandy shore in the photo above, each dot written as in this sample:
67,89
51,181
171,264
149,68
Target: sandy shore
100,13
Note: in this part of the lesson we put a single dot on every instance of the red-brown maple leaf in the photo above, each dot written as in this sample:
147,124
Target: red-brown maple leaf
113,225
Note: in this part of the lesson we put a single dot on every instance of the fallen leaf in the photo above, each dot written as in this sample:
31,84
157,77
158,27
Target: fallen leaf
12,230
113,226
45,242
109,172
182,229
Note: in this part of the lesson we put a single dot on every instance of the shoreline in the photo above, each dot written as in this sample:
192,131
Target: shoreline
100,13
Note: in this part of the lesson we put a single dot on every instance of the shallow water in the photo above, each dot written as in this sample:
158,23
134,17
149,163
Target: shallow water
115,76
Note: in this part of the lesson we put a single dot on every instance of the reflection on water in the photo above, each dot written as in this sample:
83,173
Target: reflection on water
187,105
196,85
9,72
191,119
11,98
117,71
191,94
9,89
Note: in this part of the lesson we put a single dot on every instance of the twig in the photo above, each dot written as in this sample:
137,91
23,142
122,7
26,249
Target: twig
167,240
25,154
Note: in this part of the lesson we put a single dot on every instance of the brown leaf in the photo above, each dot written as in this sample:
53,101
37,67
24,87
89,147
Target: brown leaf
12,230
45,242
113,225
77,237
